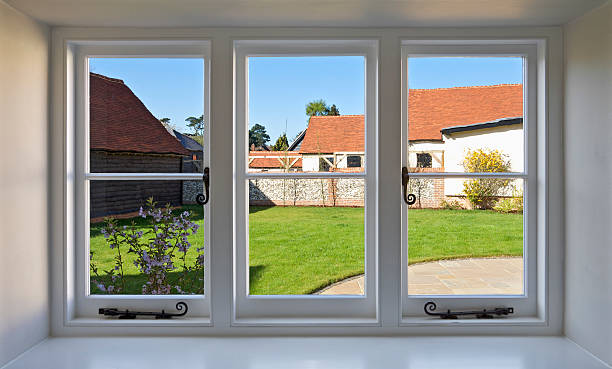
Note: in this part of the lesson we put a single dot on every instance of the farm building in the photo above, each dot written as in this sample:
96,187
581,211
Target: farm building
126,137
443,125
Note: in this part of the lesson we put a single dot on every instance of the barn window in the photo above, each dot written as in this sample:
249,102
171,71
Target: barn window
353,161
423,160
326,163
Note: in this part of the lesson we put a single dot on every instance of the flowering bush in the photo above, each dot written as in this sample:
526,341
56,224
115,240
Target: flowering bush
156,252
483,192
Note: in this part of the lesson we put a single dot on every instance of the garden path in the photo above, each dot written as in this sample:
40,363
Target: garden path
479,276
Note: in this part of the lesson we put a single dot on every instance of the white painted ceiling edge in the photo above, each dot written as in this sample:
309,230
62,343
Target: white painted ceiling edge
304,13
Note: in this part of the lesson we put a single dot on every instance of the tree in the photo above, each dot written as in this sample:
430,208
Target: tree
320,107
316,108
333,110
197,124
483,192
282,144
165,120
258,135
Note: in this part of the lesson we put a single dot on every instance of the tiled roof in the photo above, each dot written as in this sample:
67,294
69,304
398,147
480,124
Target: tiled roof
329,134
268,159
430,111
119,121
188,142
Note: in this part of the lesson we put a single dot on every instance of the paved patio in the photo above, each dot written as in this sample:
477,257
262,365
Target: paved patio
484,276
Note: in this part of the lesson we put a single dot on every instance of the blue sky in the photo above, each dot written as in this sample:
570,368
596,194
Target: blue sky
280,87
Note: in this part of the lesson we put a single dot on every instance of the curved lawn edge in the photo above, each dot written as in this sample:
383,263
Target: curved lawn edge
322,289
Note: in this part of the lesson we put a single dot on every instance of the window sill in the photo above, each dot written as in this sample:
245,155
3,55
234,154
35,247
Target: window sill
301,352
112,322
437,322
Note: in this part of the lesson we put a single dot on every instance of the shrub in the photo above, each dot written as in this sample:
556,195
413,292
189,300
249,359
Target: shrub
483,192
451,205
512,204
155,252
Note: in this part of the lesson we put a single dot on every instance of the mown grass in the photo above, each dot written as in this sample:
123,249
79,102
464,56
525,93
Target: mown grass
298,250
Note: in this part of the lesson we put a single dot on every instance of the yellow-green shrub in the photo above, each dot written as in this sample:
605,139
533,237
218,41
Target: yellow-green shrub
483,192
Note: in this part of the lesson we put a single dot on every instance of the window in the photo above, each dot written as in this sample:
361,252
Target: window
326,164
141,152
479,250
423,160
309,223
291,244
353,161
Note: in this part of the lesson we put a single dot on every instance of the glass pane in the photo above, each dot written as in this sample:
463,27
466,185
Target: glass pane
465,237
465,114
306,113
146,115
137,247
306,236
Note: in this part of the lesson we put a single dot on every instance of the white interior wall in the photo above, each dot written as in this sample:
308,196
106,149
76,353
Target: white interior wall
24,302
588,169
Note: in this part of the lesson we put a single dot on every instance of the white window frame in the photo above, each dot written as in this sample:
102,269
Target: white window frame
86,305
550,201
525,305
304,309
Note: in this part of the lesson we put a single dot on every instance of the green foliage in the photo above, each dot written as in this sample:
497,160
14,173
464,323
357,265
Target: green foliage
450,205
333,110
156,251
197,124
320,107
282,144
483,192
316,108
512,204
258,135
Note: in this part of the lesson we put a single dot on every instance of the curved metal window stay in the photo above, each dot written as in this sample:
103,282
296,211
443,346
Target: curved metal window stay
202,199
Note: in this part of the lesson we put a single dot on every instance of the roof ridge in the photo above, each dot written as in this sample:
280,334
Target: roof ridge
467,87
106,78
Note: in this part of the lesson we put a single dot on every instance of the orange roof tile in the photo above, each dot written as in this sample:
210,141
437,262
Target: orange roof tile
430,110
338,133
119,121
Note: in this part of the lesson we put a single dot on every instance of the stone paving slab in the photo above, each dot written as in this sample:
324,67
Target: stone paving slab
482,276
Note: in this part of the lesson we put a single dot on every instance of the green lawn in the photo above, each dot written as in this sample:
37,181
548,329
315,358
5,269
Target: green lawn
298,250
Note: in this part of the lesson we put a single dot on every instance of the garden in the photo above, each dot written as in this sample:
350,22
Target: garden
292,250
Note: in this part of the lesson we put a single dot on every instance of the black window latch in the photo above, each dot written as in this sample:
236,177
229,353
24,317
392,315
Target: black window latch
430,307
127,314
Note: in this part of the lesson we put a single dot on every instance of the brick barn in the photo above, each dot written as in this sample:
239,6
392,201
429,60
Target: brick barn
126,138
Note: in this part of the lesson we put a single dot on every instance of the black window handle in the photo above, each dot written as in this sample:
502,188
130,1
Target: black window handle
409,198
202,199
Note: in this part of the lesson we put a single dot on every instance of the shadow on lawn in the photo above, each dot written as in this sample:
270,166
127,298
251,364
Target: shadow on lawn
254,209
134,283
